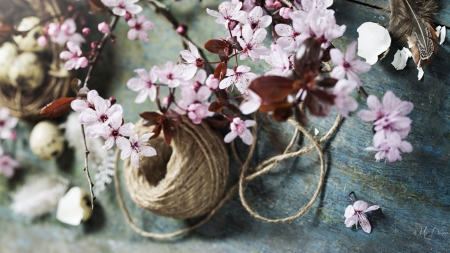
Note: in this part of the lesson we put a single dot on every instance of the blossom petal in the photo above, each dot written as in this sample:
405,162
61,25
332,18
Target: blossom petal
247,137
360,205
349,211
126,152
108,143
371,208
351,221
135,159
351,51
147,151
337,56
230,136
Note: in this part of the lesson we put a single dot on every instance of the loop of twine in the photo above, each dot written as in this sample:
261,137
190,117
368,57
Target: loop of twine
262,169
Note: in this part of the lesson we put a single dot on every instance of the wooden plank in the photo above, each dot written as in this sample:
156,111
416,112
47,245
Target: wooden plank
413,193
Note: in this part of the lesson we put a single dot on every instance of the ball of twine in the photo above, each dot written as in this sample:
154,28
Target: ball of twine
25,103
186,179
261,169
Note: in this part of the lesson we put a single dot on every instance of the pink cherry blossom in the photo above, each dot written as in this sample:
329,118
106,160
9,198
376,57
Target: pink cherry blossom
241,78
284,12
256,19
308,5
290,36
228,11
239,128
212,82
175,75
391,148
322,25
121,7
251,43
194,103
144,84
73,57
252,103
42,41
65,32
388,116
139,28
192,56
278,61
7,123
348,66
137,147
79,105
114,132
8,166
357,214
343,100
247,5
101,113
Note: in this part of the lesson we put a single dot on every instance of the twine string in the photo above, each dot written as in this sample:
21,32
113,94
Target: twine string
262,169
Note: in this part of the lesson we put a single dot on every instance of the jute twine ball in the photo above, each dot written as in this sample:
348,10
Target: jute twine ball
186,179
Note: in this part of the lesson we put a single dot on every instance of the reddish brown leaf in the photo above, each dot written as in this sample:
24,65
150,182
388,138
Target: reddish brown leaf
234,108
215,107
223,55
308,59
167,132
214,45
274,88
156,131
319,102
283,113
221,70
173,117
57,108
326,82
217,121
151,118
300,116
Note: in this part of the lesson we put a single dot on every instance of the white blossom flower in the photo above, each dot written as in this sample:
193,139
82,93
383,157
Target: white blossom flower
137,148
357,214
241,78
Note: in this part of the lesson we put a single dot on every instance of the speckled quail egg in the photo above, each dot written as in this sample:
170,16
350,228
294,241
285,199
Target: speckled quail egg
8,53
29,42
26,72
46,140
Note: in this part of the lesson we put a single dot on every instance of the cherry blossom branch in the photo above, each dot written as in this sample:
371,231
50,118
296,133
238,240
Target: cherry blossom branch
163,11
363,92
94,60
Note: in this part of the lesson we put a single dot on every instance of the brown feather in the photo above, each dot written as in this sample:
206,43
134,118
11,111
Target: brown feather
410,22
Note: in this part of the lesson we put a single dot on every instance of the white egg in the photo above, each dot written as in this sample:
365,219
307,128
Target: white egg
8,53
26,72
29,42
46,140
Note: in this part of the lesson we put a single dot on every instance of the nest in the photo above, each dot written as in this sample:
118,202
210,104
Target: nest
186,179
26,103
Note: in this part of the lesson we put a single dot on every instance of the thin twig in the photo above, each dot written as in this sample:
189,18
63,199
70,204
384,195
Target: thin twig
86,167
289,4
363,92
94,61
99,49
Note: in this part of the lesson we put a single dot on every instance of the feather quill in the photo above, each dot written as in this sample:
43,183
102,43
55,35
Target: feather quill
39,196
411,22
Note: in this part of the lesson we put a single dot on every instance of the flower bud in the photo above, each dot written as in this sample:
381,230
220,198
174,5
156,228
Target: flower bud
42,41
165,100
127,16
86,31
277,4
284,12
113,100
211,82
181,29
103,27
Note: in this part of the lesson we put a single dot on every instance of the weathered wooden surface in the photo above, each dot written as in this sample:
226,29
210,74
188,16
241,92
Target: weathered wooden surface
414,193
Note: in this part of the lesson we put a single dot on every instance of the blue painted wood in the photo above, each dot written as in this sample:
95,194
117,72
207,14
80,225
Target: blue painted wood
414,193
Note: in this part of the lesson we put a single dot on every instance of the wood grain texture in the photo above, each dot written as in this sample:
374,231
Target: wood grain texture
414,194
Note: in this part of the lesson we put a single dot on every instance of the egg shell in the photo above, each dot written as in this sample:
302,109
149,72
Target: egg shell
26,72
73,208
29,42
8,53
46,140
